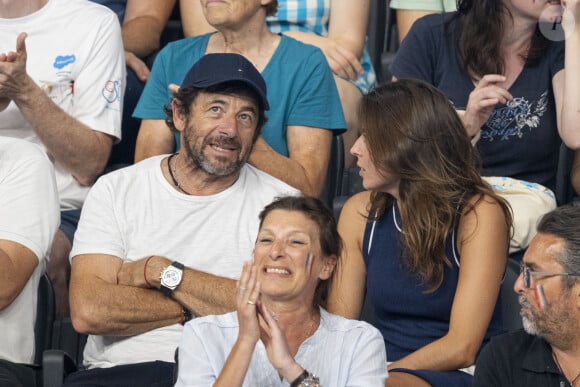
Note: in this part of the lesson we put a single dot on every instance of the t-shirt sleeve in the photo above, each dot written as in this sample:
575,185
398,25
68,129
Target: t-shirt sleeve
100,86
156,94
416,57
317,103
29,210
98,231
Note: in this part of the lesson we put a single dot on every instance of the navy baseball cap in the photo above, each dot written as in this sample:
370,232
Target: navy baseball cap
213,69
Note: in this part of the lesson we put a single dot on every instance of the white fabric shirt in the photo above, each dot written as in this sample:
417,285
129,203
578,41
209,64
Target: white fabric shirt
340,353
29,215
134,212
75,54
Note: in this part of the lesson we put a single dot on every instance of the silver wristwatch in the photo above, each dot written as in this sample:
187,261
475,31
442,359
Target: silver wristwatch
310,381
305,379
171,278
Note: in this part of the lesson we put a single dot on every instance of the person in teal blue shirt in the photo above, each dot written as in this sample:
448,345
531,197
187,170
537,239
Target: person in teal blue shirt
305,109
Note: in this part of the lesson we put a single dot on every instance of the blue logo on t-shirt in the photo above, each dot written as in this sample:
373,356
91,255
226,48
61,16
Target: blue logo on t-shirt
63,60
511,120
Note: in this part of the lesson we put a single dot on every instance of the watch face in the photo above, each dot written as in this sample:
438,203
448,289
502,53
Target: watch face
171,277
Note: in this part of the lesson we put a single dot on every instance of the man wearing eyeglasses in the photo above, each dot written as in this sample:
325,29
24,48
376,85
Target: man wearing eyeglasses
546,352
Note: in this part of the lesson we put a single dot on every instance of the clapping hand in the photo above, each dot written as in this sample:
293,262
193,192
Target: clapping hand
12,69
274,339
247,303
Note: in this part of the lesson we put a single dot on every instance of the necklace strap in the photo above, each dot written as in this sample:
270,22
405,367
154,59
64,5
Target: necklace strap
173,173
562,371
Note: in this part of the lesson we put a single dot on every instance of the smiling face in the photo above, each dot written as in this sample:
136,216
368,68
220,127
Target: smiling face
218,134
289,257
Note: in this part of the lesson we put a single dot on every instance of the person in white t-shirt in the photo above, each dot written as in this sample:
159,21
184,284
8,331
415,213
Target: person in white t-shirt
164,240
28,221
62,79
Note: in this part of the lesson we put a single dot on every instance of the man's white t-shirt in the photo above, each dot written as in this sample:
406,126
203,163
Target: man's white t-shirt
134,212
75,54
29,215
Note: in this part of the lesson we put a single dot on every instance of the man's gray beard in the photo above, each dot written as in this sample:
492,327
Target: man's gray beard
205,165
201,162
529,326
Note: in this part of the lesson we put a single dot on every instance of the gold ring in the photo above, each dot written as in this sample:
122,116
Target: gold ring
251,302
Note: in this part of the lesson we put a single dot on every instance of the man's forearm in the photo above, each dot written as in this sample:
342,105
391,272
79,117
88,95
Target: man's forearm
284,168
116,310
141,36
83,151
16,266
204,294
199,292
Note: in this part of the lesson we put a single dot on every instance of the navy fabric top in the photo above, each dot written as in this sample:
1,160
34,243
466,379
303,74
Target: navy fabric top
408,317
520,139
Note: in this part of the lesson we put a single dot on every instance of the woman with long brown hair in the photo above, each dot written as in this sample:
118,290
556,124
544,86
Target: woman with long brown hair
427,242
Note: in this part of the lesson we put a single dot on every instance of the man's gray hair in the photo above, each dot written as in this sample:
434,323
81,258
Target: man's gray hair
564,222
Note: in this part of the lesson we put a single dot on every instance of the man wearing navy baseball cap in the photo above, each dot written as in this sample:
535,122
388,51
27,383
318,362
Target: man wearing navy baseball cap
163,241
214,69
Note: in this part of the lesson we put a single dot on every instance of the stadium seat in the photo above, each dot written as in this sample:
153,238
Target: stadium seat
66,353
510,305
45,312
333,184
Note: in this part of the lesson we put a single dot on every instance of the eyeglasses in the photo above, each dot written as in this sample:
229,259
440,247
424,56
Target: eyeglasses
525,270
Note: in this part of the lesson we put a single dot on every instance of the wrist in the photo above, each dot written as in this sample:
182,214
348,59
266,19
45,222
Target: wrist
28,93
145,271
246,343
292,372
170,278
305,379
185,316
299,379
155,265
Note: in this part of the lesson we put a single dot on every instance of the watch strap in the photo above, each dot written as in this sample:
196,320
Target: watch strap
299,379
165,290
178,265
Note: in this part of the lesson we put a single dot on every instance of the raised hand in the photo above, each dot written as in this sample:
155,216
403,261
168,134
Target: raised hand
12,69
274,339
482,101
571,15
341,61
247,301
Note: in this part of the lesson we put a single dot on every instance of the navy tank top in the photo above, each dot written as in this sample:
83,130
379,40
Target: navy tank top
406,314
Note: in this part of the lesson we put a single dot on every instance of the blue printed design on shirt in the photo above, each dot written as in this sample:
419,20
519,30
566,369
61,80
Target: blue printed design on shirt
112,91
63,60
517,118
